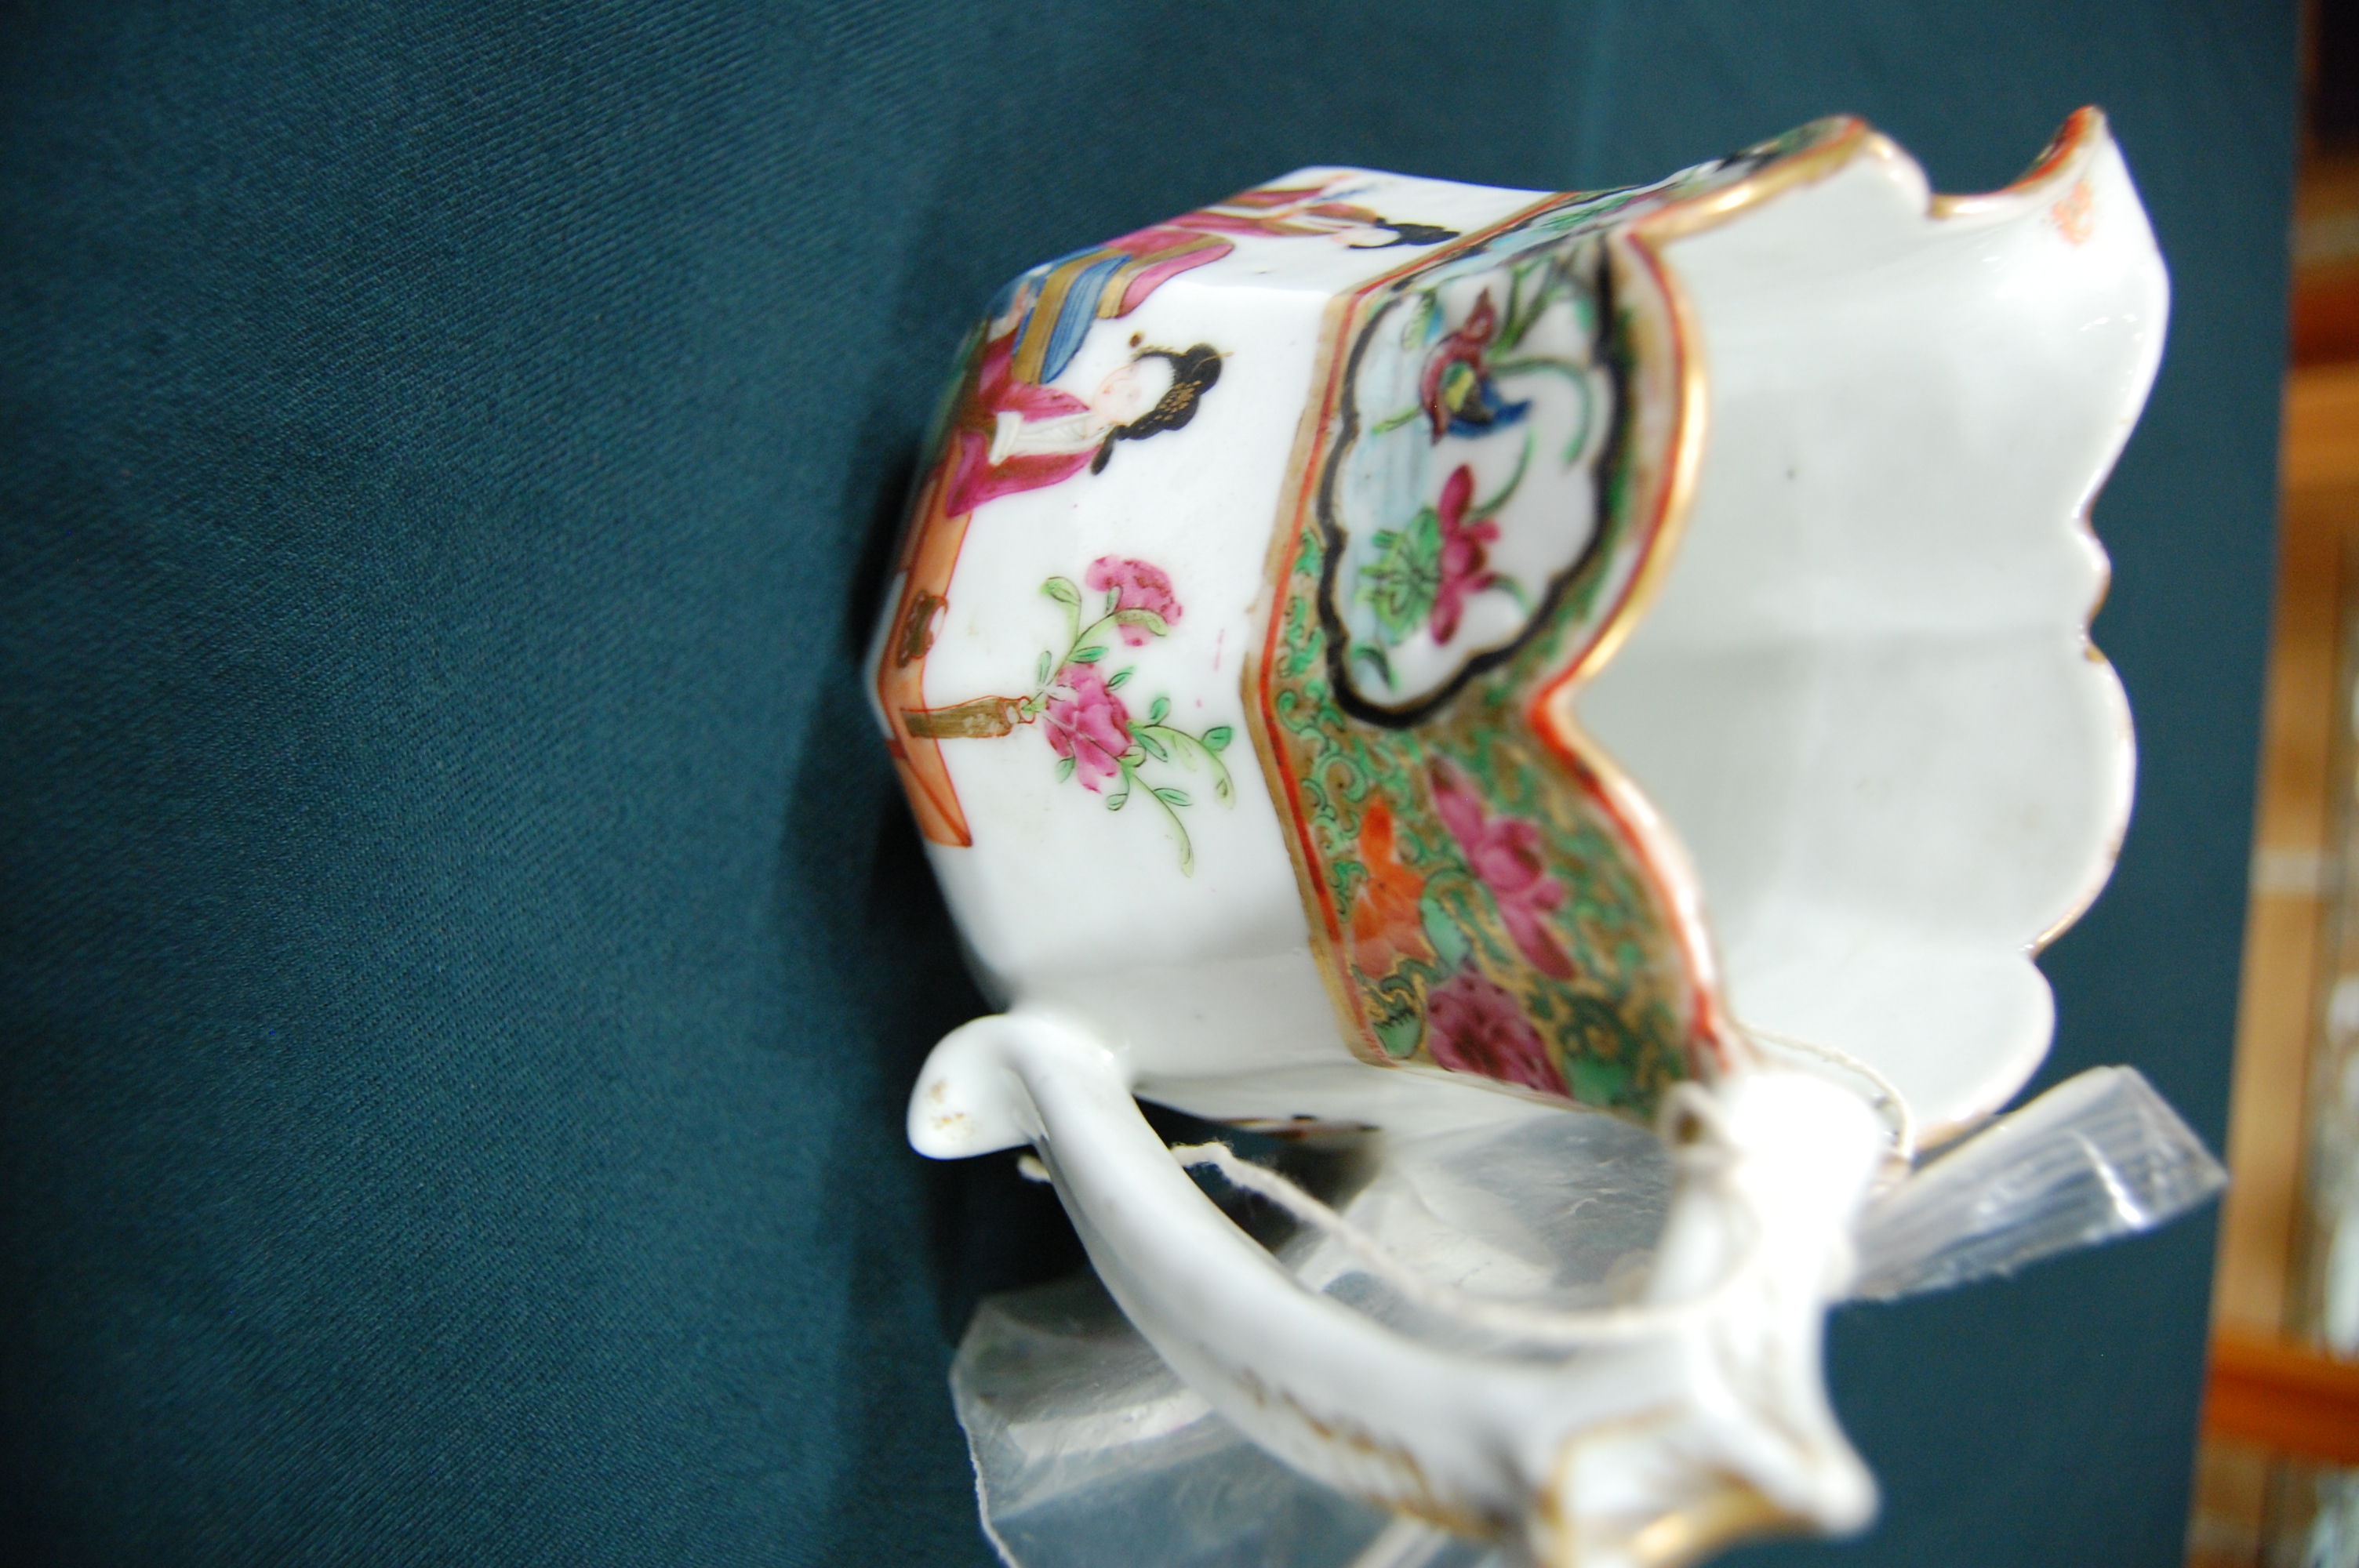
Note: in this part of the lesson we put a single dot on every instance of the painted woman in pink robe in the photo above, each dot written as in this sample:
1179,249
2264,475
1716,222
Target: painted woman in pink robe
1010,431
1010,436
1005,436
1111,280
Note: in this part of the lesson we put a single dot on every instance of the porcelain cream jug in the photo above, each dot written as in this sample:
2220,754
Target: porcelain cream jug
1389,651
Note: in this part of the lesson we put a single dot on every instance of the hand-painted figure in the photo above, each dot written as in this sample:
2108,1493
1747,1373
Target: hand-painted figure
1055,302
1010,431
1005,436
1009,436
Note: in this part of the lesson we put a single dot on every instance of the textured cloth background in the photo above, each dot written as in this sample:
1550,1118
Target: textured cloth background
462,953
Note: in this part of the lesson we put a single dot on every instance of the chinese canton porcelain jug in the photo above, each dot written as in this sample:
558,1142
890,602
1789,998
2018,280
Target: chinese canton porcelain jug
1377,650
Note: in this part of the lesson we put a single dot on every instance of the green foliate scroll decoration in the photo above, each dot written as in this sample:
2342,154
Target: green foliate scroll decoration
1490,481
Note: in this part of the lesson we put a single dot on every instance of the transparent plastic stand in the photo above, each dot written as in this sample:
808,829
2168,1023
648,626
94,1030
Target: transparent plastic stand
1090,1452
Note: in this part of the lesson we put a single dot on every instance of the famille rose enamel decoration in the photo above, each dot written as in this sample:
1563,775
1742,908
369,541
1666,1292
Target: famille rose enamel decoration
1383,651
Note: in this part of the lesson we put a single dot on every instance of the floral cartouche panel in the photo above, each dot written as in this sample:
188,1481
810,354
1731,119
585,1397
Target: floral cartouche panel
1494,466
1490,448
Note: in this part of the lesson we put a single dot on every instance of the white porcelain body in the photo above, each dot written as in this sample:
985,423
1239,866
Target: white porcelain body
1866,697
1646,1449
1066,906
1857,738
1863,701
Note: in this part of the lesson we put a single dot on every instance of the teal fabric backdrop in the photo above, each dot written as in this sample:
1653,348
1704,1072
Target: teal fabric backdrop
461,951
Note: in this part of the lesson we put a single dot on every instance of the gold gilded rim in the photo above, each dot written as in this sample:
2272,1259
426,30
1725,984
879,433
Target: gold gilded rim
2061,163
1730,1511
1636,251
1292,501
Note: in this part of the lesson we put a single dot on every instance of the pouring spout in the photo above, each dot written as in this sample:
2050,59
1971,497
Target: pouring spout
1613,1436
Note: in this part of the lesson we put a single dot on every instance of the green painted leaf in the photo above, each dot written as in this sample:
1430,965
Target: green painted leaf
1400,1033
1154,747
1424,323
1064,769
1448,939
1062,590
1157,710
1401,583
1146,619
1089,655
1490,508
1598,1083
1120,676
1041,678
1116,802
1218,737
1170,796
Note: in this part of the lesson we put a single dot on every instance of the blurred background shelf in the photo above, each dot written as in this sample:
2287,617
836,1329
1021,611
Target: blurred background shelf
2277,1473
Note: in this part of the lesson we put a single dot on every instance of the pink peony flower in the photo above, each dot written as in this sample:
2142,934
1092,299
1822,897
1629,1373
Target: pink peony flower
1475,1026
1087,722
1507,854
1140,586
1466,560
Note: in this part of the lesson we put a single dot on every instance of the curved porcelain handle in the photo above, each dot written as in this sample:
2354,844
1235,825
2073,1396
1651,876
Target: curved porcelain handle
1648,1448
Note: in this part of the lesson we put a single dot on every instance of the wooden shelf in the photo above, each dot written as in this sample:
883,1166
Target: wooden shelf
2282,1396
